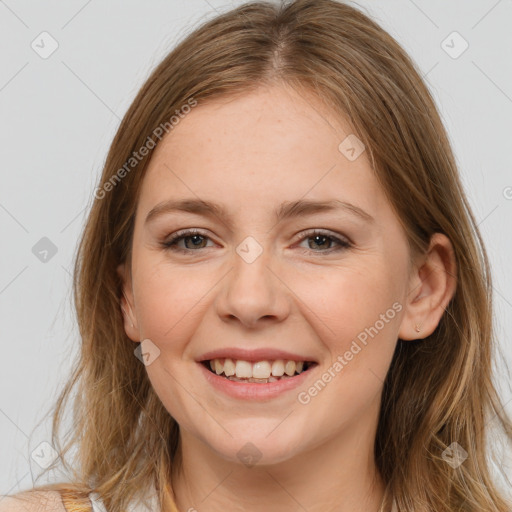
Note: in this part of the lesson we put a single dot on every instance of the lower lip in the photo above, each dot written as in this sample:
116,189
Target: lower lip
252,390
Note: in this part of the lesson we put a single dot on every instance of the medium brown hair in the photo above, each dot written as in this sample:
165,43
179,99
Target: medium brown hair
438,390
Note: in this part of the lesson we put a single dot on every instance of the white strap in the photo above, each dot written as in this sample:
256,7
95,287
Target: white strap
97,504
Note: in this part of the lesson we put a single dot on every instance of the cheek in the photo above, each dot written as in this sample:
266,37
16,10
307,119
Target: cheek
168,300
358,314
348,301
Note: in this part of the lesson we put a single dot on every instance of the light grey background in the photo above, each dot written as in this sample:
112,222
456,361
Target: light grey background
59,114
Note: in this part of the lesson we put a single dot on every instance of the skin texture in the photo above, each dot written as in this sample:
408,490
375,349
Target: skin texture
251,153
33,501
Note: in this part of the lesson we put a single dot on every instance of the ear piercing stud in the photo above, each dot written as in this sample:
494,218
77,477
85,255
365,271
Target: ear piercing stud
417,328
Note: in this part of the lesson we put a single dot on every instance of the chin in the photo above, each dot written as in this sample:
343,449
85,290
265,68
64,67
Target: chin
257,448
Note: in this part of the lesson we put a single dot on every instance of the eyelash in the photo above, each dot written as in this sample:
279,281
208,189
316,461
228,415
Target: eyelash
186,233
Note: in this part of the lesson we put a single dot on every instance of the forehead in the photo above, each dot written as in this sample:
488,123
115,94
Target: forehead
271,121
271,145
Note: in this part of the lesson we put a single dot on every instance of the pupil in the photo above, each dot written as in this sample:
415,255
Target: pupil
195,238
320,237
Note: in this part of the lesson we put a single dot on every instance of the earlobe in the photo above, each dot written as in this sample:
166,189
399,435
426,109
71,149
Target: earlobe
432,287
128,316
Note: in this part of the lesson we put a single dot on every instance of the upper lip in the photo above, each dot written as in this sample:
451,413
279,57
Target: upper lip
253,355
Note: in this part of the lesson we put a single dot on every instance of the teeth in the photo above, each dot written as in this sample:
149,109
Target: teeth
229,367
289,368
278,368
243,369
260,371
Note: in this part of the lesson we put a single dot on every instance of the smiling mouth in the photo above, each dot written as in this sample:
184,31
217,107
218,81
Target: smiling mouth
260,372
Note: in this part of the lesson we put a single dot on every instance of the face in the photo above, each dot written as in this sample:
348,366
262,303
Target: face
258,281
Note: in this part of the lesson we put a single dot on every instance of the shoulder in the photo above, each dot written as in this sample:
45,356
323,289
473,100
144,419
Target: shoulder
32,501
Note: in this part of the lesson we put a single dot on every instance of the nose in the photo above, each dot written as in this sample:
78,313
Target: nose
253,293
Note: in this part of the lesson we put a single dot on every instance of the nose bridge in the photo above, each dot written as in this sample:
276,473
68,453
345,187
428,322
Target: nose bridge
252,291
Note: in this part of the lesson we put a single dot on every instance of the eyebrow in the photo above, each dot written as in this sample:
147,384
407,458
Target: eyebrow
287,210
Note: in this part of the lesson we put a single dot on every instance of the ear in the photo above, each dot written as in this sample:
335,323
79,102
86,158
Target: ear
127,304
431,287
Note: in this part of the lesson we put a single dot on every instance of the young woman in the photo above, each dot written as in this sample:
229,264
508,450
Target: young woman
282,293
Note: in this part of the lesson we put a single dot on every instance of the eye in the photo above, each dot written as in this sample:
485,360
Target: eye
195,239
195,236
321,239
